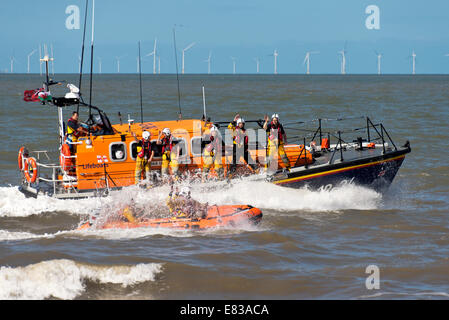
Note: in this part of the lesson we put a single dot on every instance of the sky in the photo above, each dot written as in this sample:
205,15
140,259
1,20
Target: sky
243,29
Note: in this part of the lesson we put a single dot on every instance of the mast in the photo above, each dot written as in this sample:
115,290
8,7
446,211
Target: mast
82,53
177,75
91,59
140,82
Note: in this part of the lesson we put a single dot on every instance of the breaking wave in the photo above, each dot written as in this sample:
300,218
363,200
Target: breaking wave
66,279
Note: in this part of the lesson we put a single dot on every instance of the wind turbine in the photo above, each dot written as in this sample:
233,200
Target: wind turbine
40,59
153,53
233,64
257,64
208,62
183,52
32,52
52,60
118,63
159,64
12,59
307,60
275,55
413,56
343,60
379,57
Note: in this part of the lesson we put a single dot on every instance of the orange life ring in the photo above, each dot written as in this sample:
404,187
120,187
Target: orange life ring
30,174
20,158
64,159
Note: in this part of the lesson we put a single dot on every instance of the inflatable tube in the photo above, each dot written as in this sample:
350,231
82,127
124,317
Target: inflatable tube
217,216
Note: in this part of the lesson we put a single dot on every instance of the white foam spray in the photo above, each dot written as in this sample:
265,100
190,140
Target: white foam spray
261,194
65,279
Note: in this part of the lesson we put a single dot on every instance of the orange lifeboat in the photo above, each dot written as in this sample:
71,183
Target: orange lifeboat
217,216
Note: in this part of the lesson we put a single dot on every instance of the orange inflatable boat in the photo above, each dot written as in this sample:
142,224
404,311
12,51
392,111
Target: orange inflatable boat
217,216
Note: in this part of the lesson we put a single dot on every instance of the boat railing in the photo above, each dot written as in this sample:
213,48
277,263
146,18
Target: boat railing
310,135
55,168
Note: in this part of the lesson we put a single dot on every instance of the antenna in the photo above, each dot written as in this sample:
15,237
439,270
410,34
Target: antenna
32,52
140,82
81,59
91,57
204,104
183,52
177,73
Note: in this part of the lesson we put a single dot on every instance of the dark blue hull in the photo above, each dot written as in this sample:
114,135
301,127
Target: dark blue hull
375,172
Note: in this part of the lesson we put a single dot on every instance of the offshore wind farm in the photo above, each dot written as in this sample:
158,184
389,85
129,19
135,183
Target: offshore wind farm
336,109
33,64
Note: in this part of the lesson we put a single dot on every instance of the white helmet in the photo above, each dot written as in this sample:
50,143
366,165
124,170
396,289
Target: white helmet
240,120
146,135
185,191
166,131
119,154
275,115
213,129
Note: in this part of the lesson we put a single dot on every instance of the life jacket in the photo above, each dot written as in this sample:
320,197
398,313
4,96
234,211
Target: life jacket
70,130
167,144
213,145
272,135
145,148
240,136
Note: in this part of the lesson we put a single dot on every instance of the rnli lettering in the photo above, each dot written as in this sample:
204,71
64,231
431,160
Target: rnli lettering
94,165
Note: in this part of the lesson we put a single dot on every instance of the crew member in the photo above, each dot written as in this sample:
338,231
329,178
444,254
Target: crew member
169,153
74,131
182,205
276,140
145,155
212,154
240,142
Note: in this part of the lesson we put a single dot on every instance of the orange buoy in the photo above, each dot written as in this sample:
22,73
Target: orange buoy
64,159
30,170
20,158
